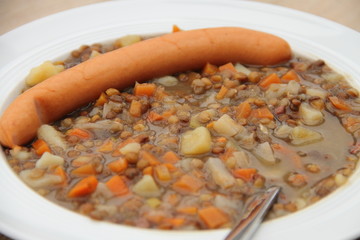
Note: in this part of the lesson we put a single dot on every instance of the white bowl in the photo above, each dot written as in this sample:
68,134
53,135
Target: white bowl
26,215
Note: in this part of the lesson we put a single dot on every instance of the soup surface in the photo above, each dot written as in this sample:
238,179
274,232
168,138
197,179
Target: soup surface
186,151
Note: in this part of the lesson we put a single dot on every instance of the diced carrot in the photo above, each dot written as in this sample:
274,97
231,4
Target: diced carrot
40,146
268,80
118,166
101,100
84,187
174,222
213,217
221,139
162,172
148,170
80,133
246,174
170,157
59,171
168,113
229,67
288,154
290,75
172,199
144,89
170,167
263,112
210,124
225,109
135,108
84,170
116,153
175,28
221,94
149,157
339,103
117,186
188,184
210,69
154,116
155,218
227,154
107,146
187,210
243,110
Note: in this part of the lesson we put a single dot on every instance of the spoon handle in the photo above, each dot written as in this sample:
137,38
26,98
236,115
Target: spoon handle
256,211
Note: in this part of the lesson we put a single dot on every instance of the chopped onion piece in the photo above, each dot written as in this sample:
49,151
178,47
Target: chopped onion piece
301,136
309,115
264,153
219,173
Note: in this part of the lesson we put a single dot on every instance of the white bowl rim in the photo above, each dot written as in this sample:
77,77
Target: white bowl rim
313,46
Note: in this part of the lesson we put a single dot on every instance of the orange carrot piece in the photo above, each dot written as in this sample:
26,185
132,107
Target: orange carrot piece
188,184
246,174
154,116
290,75
84,187
213,217
288,154
221,139
227,154
229,67
170,157
210,69
135,108
84,170
170,166
225,109
210,124
187,210
263,112
174,222
101,100
221,94
117,186
144,89
243,110
168,113
154,218
339,103
107,146
268,80
148,170
162,172
59,171
175,28
150,158
118,166
80,133
173,199
40,146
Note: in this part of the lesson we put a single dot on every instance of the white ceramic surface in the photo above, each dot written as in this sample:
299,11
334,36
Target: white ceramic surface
26,215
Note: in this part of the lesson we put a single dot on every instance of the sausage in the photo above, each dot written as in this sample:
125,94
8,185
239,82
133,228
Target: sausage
155,57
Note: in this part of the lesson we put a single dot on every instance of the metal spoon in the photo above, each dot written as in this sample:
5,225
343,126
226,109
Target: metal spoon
255,213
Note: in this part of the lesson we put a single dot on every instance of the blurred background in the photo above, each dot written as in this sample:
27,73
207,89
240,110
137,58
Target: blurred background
14,13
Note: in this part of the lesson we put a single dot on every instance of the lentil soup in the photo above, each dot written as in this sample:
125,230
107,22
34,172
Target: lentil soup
185,151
